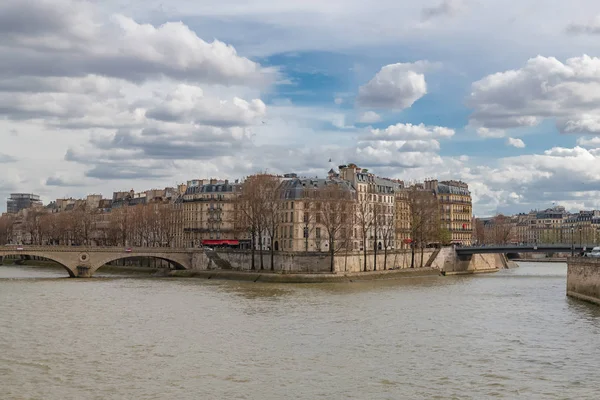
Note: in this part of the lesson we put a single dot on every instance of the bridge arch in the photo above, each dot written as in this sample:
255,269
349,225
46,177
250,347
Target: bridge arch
178,262
52,257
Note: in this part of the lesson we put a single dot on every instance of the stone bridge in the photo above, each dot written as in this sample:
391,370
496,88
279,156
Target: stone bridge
82,262
529,248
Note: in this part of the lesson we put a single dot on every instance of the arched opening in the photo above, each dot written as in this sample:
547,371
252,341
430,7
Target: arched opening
379,246
139,262
276,245
44,259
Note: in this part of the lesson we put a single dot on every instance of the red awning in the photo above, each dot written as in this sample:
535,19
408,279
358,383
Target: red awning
220,242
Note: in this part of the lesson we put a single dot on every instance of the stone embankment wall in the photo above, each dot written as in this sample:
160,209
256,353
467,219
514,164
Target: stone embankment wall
443,260
583,279
309,262
452,264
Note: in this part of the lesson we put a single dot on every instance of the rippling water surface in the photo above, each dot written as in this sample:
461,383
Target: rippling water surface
508,335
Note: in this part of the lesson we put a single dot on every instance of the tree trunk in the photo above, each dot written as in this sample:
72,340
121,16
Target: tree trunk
253,251
332,252
422,250
365,253
412,255
375,253
272,254
385,258
346,260
262,262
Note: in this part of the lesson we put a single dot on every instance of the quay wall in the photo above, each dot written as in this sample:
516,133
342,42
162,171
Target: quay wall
444,260
583,279
310,262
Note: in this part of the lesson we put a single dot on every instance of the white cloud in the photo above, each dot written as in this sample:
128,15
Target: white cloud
544,88
338,100
71,38
394,87
188,104
593,142
515,142
490,133
402,131
369,117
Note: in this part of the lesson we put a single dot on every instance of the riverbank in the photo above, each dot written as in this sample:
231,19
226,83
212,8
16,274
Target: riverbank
472,272
248,276
275,277
540,260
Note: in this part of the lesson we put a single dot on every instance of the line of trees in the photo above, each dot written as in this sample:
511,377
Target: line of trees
147,225
425,224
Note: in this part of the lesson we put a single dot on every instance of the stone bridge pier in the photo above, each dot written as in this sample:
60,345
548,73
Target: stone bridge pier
83,262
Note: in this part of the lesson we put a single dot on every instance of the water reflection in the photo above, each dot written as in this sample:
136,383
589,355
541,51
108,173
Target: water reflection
513,334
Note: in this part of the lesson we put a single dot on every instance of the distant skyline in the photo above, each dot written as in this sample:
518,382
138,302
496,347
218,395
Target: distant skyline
103,96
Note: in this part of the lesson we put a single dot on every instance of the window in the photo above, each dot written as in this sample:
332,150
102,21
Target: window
318,233
292,215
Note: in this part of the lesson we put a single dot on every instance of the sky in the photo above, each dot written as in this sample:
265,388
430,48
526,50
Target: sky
99,96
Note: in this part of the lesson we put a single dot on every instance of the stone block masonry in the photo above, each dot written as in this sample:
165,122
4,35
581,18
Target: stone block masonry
583,279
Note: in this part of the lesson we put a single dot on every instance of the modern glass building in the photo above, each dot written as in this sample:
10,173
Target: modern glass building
20,201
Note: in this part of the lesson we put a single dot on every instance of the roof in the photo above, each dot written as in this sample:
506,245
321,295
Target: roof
211,188
443,188
295,188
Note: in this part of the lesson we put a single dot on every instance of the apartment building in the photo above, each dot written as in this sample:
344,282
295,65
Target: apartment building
376,208
456,209
210,214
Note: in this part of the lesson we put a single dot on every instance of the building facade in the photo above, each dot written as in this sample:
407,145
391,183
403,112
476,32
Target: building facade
21,201
210,214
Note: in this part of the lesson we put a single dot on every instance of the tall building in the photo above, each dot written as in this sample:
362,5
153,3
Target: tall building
376,204
456,210
21,201
209,214
305,214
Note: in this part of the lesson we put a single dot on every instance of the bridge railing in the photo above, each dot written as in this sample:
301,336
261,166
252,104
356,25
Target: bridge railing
530,245
37,248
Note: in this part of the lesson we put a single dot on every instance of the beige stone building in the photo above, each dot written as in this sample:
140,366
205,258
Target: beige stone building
402,206
209,214
376,208
303,226
456,209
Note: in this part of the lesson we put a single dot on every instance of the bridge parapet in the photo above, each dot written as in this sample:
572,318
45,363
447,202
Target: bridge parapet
530,248
110,249
83,261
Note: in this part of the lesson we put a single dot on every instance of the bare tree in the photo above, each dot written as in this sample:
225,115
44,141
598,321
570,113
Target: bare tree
271,209
250,203
500,230
388,228
364,219
336,210
424,220
6,229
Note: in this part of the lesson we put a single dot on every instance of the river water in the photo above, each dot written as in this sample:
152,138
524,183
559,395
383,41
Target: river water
507,335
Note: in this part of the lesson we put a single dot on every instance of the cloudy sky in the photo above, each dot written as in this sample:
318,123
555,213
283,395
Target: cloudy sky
105,95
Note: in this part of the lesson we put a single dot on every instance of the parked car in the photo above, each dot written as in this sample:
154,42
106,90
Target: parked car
595,253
